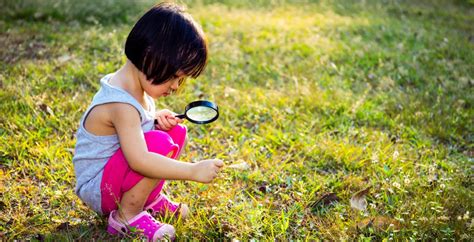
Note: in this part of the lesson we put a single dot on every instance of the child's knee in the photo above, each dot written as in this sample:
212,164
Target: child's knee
157,137
178,132
160,142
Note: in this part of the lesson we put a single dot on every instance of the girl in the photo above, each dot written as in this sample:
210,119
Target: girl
121,158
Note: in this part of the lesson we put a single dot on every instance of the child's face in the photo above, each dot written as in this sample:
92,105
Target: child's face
163,89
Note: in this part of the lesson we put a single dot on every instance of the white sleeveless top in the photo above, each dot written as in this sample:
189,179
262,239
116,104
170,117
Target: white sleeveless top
92,152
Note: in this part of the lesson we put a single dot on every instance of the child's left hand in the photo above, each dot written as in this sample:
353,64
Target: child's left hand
166,120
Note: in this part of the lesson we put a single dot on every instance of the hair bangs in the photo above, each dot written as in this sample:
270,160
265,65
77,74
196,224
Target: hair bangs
195,62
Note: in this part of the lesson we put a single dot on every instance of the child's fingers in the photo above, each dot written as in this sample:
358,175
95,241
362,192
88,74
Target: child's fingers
173,121
178,120
164,124
219,163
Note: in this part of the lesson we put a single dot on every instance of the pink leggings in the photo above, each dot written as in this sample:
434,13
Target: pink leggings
118,177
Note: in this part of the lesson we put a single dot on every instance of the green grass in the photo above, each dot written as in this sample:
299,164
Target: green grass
317,97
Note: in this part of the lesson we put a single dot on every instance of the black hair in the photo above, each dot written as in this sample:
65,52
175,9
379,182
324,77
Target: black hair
166,40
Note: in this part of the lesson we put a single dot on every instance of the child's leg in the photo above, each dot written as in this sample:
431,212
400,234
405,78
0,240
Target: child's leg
179,136
118,178
133,200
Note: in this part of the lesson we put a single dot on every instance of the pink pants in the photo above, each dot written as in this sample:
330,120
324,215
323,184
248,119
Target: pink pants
118,177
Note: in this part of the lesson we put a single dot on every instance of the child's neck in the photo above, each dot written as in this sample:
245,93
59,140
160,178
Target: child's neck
128,79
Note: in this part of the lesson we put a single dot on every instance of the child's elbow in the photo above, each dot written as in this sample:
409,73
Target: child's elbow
137,163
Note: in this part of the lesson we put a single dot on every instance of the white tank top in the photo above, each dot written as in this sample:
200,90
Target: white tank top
92,152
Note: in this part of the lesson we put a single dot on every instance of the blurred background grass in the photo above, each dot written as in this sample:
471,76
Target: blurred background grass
317,97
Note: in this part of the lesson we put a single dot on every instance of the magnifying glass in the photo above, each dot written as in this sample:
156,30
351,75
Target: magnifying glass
200,112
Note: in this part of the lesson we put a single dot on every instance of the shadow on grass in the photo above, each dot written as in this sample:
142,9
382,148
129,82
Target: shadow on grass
18,48
67,232
86,12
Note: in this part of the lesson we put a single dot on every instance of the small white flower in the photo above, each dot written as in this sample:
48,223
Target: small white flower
396,184
407,181
395,155
442,186
375,158
466,215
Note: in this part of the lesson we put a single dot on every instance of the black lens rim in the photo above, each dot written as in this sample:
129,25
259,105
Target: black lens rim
204,103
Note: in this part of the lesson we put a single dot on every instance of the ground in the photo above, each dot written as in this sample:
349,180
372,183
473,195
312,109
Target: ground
319,100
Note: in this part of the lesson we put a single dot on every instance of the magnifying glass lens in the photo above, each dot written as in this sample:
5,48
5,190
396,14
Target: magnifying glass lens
201,113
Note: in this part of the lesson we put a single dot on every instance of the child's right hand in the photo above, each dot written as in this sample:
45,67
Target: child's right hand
206,170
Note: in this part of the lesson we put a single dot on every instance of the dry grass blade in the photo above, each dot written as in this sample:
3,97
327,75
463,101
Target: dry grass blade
325,199
358,200
379,223
240,166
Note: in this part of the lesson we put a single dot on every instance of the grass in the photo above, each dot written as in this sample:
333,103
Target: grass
317,97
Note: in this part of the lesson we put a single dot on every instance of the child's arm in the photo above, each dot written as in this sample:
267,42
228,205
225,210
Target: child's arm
126,121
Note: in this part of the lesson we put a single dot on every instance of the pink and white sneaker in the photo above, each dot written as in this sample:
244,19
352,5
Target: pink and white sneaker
143,222
162,205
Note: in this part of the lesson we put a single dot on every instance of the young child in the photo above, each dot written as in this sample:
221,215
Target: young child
122,158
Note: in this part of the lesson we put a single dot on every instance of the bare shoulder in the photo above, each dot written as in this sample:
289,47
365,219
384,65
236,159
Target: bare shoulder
103,118
127,124
124,114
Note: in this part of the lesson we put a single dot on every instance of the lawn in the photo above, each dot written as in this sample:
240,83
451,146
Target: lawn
321,102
